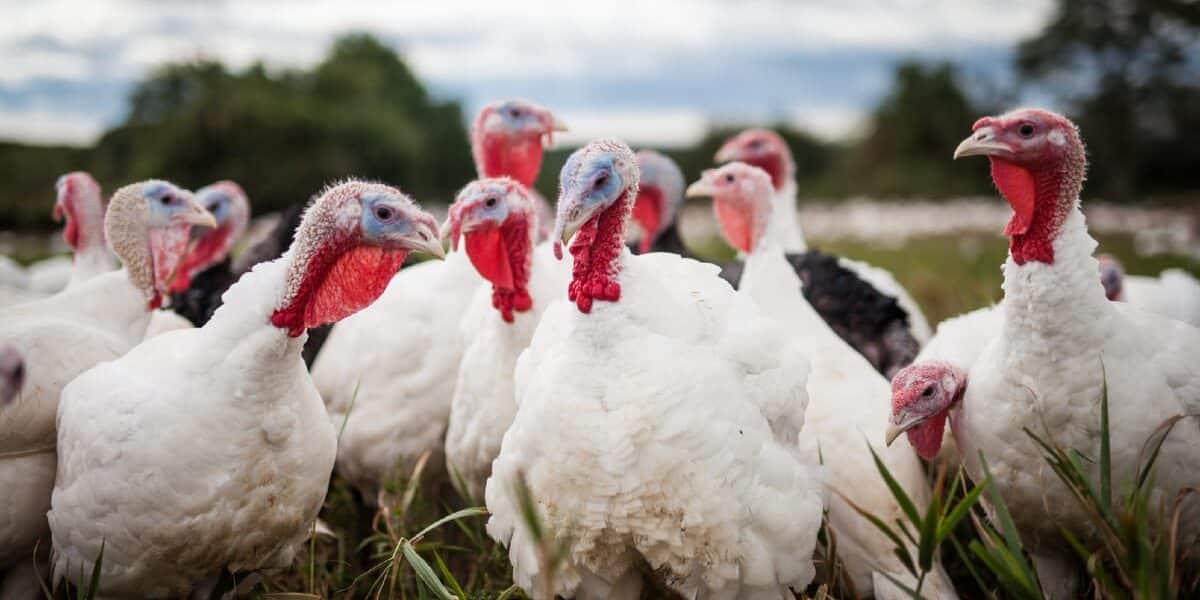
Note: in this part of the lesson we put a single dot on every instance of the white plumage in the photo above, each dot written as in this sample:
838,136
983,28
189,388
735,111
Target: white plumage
847,410
387,373
205,450
200,449
1174,294
660,427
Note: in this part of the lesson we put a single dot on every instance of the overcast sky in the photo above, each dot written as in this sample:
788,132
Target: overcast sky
653,72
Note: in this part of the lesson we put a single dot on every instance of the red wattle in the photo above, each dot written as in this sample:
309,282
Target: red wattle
167,249
773,164
336,284
486,249
208,250
926,438
71,232
597,251
1017,186
736,223
647,211
502,157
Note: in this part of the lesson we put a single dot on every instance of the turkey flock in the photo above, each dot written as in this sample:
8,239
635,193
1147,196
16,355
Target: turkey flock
660,411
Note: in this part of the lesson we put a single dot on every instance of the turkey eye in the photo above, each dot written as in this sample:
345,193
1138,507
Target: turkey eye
729,178
383,213
928,392
165,200
516,114
601,180
213,207
490,202
1025,130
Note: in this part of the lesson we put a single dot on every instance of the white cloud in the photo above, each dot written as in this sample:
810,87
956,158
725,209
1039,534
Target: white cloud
39,125
659,127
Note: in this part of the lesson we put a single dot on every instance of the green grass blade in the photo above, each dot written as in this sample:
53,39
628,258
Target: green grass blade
94,582
475,511
906,503
425,572
960,510
1012,539
441,564
928,544
1105,448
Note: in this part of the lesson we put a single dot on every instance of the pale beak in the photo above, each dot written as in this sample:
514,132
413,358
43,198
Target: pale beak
57,213
445,231
981,143
729,152
429,243
558,125
199,216
900,424
699,189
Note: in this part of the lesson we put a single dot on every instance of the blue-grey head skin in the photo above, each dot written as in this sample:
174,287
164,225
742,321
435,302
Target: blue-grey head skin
658,170
488,199
12,374
519,118
592,179
389,217
169,205
1112,276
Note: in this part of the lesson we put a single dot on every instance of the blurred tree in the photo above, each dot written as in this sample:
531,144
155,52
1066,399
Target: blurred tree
911,135
1130,72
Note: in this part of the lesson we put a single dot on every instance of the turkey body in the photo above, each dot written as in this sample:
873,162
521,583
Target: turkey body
662,428
1174,294
387,373
43,331
846,418
239,494
1061,343
485,395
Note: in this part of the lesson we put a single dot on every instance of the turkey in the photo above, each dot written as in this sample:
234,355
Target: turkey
768,151
1174,294
657,415
942,368
507,140
70,332
1061,343
80,203
208,450
497,222
209,251
660,195
390,394
843,414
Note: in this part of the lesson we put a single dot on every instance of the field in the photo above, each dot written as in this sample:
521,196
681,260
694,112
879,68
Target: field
364,552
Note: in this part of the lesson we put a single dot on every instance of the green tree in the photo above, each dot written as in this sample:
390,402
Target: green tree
1130,73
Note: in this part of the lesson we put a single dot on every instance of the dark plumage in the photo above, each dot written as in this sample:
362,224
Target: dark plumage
203,297
872,322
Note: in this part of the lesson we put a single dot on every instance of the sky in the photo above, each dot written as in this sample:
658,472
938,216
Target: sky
654,72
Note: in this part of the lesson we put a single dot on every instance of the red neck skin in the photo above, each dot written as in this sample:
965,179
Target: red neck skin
647,211
340,278
775,165
502,255
207,251
927,437
597,250
79,235
497,156
1039,209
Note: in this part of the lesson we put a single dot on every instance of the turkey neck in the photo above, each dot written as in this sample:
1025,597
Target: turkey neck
517,236
1056,311
496,156
784,224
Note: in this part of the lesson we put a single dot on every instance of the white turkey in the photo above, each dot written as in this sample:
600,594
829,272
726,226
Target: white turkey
208,450
768,151
1174,294
72,331
844,412
660,195
208,250
79,202
657,415
12,374
508,139
497,222
392,392
1061,343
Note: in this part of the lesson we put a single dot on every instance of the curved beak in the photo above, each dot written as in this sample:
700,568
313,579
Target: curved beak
982,142
427,239
198,216
58,212
570,217
701,188
728,153
557,124
902,422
